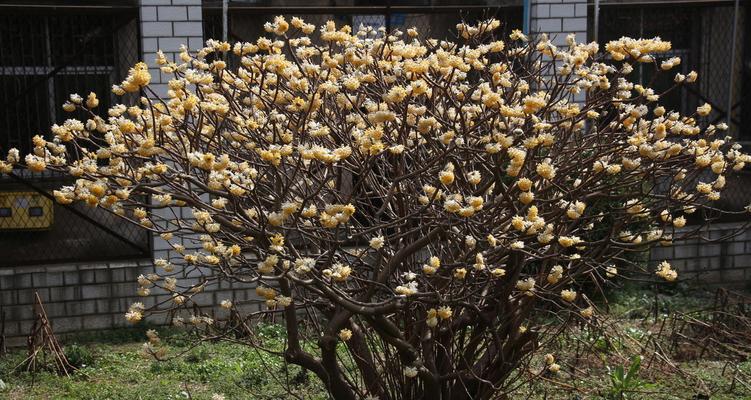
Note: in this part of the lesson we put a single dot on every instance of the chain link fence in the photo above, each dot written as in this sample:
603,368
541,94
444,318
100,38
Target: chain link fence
702,36
45,55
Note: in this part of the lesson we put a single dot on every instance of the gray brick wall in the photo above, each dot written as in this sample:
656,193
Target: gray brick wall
722,263
165,25
558,18
80,297
76,297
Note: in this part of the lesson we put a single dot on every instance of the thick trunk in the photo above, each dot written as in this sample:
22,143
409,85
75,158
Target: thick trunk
294,354
358,347
431,387
335,383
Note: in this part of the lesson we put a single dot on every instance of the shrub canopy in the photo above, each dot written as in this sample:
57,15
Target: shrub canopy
436,206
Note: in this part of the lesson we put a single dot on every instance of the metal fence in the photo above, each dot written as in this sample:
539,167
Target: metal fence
702,35
45,55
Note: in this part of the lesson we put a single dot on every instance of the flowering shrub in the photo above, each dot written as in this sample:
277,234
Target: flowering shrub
423,202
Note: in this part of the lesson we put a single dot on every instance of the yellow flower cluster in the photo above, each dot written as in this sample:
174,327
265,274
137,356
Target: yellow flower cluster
640,50
336,214
665,271
138,77
386,168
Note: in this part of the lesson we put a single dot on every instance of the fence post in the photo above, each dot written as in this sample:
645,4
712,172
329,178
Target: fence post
388,17
225,6
596,27
731,80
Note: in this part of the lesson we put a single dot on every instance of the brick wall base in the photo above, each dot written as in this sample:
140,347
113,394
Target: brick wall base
91,296
716,263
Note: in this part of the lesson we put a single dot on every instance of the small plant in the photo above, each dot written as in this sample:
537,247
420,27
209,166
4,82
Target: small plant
601,342
197,355
269,331
624,383
163,367
78,356
253,378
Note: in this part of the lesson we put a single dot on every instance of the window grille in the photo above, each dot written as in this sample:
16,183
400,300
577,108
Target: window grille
45,55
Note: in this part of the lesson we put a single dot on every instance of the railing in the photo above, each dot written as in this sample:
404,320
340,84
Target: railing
45,55
702,35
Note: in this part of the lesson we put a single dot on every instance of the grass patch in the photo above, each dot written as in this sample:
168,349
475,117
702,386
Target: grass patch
117,369
112,365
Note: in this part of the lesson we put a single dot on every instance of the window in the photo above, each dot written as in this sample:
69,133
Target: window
45,55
